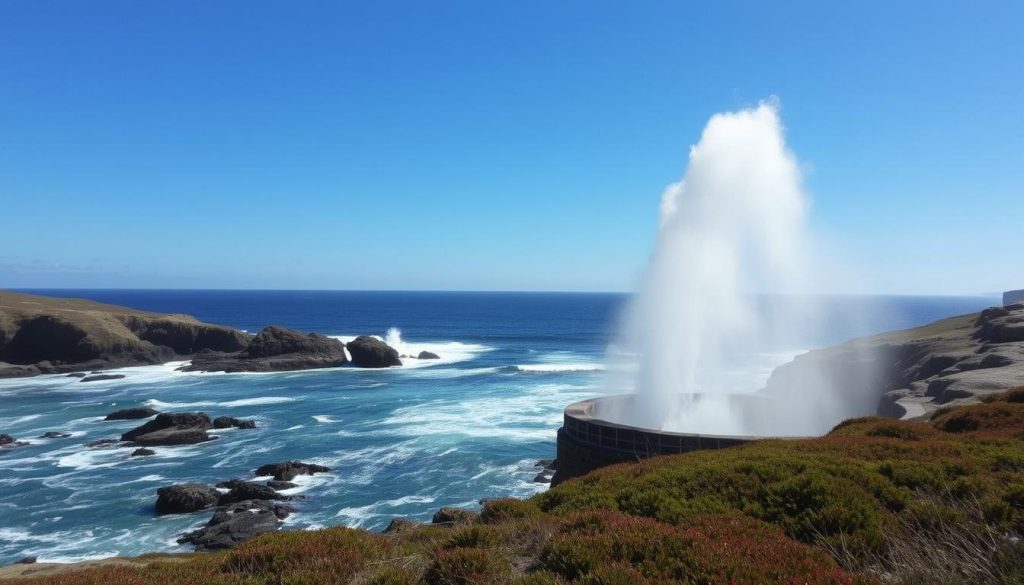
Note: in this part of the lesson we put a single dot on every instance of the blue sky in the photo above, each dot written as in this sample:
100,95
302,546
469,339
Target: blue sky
491,145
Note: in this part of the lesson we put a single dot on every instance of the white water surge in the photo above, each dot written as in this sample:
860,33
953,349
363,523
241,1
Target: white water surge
733,228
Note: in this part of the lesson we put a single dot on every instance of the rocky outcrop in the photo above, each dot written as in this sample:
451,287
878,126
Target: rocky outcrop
400,525
131,414
370,352
911,373
172,429
184,498
276,349
289,470
46,335
142,452
454,516
227,422
8,441
428,355
237,523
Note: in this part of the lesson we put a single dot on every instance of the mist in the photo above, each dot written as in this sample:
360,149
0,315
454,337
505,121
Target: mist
732,233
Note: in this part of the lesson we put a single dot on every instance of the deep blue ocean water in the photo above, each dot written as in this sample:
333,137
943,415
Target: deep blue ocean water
400,442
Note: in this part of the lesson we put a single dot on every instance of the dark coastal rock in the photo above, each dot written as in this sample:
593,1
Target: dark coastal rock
370,352
400,525
289,470
547,468
131,413
48,335
6,439
237,523
26,561
227,422
54,435
102,443
453,516
276,349
172,429
428,355
101,377
142,452
76,375
184,498
281,485
241,491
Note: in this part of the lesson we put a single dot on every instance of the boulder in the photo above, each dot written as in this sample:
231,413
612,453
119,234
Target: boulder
142,452
101,377
26,561
370,352
172,429
400,525
6,439
184,498
54,435
227,422
276,349
131,413
237,523
247,490
102,443
453,516
289,470
428,355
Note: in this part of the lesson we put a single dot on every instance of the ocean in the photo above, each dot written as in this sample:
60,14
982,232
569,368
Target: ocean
401,442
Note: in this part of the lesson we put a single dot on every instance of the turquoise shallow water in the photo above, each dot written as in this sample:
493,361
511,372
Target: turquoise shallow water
400,442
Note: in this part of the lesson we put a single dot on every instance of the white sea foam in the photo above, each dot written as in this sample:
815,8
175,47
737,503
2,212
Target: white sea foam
323,418
554,368
262,401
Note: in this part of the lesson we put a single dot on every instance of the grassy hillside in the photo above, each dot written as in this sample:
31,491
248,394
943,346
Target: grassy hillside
875,501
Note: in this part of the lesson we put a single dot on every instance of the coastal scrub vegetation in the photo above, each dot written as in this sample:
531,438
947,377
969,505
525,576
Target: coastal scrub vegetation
874,501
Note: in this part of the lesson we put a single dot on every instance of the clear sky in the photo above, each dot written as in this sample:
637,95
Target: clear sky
490,145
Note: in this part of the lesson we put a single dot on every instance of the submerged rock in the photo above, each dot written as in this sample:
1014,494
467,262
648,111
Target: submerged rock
370,352
102,443
289,470
131,413
101,377
247,490
237,523
142,452
184,498
54,435
172,429
227,422
6,439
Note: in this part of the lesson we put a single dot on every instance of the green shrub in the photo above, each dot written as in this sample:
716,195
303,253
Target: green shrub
472,537
467,566
505,509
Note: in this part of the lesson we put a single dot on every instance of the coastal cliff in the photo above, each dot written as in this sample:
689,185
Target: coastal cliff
911,373
46,335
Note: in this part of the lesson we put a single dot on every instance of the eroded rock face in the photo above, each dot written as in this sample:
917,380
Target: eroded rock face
131,414
289,470
172,429
184,498
911,373
370,352
237,523
276,349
